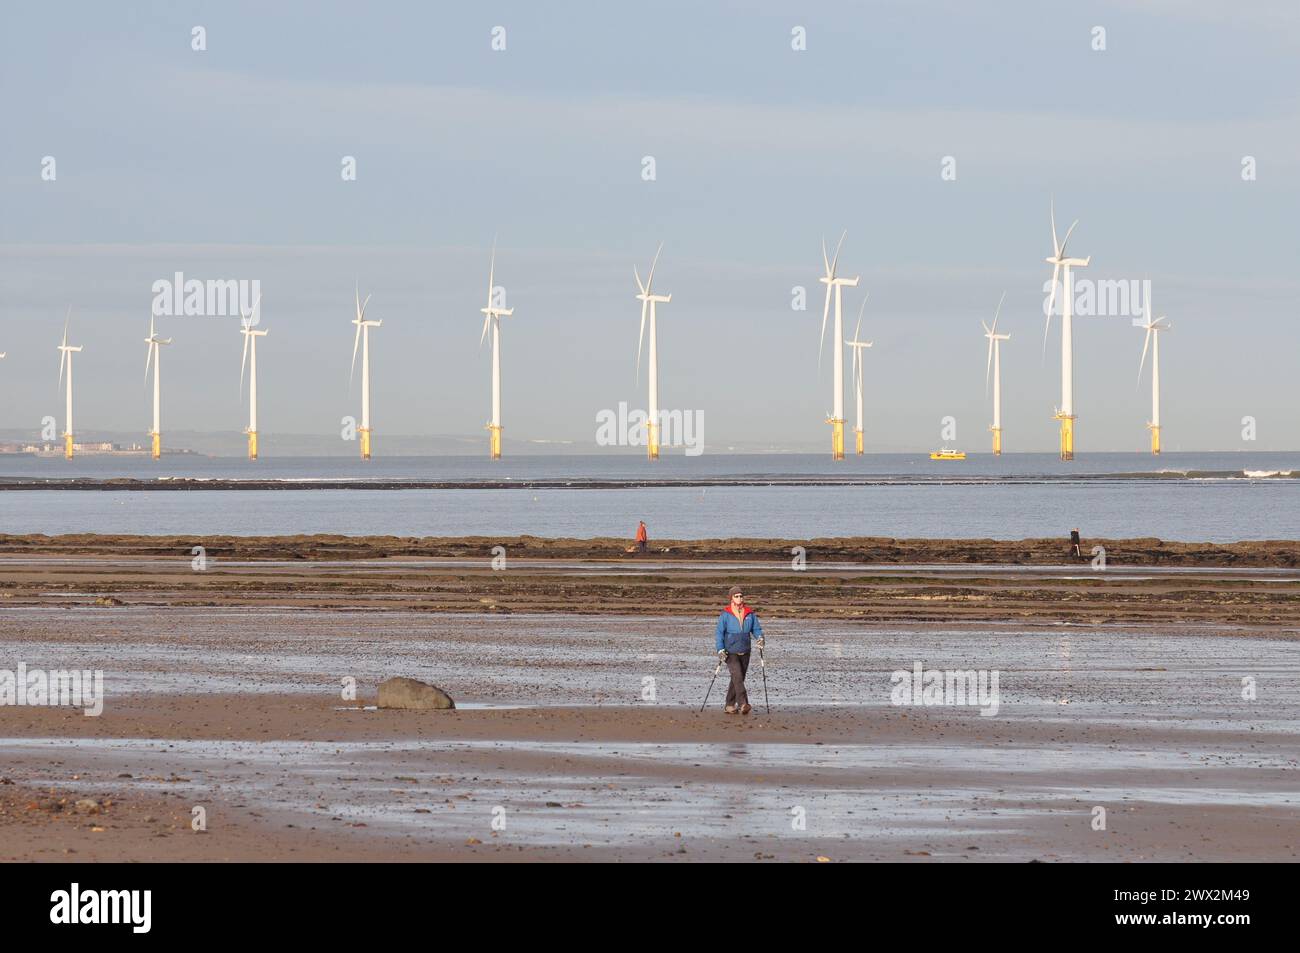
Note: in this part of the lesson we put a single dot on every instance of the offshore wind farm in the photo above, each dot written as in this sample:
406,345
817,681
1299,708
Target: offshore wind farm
648,339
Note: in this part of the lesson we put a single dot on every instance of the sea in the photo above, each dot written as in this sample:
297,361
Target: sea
1210,497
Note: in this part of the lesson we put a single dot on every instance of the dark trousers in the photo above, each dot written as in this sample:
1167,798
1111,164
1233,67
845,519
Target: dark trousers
737,665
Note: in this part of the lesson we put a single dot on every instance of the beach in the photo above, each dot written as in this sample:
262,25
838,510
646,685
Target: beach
578,672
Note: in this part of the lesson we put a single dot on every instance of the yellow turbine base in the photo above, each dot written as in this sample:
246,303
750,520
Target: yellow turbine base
837,437
67,445
1067,437
156,449
652,442
494,441
252,445
365,442
997,441
858,434
1155,440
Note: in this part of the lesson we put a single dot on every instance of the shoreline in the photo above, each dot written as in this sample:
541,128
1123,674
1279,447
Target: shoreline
864,550
775,480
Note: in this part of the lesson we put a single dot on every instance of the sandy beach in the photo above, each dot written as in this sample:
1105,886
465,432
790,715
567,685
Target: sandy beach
578,673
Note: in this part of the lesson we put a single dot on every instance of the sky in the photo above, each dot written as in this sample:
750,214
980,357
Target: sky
225,163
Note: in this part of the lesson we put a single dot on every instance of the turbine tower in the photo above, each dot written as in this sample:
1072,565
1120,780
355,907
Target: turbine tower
250,344
648,301
1058,261
857,345
492,317
1153,328
65,357
154,354
364,325
994,364
836,420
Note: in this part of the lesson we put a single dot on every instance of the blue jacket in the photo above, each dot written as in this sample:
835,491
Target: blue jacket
734,634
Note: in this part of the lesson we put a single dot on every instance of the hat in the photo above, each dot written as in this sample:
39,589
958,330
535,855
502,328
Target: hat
735,591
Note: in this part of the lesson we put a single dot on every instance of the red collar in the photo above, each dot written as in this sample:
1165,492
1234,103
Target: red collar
744,610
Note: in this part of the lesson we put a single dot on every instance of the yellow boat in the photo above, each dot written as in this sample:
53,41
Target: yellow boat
946,454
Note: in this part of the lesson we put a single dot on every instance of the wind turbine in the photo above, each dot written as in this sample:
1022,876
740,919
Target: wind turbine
492,317
65,357
250,344
836,420
363,334
648,301
994,364
1058,261
154,354
1153,328
857,345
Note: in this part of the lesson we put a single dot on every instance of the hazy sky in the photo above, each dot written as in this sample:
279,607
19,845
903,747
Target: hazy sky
226,163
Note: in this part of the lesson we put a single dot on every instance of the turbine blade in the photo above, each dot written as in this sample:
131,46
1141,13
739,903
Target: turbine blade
1056,246
1066,240
1146,341
997,312
988,368
637,275
243,361
492,270
483,337
639,339
826,311
358,301
826,262
356,343
66,322
650,279
148,356
857,331
1051,306
835,261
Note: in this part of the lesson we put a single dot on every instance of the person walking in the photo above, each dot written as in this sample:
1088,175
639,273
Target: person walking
642,538
737,624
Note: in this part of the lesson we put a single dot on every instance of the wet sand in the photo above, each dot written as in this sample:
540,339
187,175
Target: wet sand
239,711
1247,585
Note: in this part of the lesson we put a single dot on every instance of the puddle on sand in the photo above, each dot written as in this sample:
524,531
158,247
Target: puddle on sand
619,793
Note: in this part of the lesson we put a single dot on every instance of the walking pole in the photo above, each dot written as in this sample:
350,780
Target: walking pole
716,670
762,663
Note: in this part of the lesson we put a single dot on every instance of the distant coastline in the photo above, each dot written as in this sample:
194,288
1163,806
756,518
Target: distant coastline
608,483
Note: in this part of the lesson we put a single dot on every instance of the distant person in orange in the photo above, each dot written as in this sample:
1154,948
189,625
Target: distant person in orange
642,541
